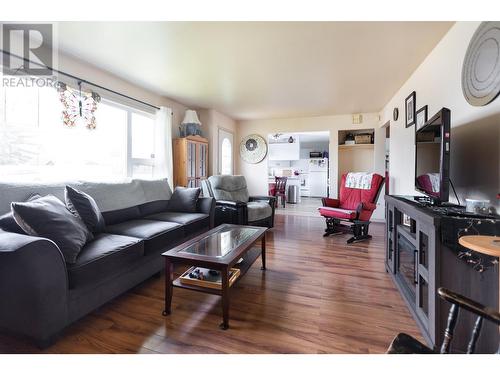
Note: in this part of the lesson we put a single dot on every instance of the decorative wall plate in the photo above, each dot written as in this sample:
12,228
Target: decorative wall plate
481,67
253,149
395,114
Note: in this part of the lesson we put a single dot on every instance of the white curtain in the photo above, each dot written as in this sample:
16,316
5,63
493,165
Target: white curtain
163,145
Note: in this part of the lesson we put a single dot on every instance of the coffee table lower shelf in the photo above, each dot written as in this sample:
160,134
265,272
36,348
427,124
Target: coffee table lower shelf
249,258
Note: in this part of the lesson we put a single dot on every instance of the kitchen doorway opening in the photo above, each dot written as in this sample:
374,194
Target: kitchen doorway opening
303,158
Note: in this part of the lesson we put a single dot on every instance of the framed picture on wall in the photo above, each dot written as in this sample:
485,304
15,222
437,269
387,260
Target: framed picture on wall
421,117
410,107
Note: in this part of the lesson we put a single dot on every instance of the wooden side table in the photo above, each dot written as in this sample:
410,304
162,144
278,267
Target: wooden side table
489,245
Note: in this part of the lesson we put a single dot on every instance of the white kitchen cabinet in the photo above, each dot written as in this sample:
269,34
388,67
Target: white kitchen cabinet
284,151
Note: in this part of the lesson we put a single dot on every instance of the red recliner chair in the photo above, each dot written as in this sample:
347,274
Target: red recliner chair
352,212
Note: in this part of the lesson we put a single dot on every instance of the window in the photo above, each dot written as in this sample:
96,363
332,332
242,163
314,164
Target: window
35,145
143,145
225,161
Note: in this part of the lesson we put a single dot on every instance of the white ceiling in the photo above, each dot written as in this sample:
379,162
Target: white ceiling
253,70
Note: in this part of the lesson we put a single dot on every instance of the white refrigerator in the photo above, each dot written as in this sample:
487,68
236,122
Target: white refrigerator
318,177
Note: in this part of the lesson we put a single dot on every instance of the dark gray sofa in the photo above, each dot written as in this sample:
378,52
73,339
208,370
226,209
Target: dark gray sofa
40,294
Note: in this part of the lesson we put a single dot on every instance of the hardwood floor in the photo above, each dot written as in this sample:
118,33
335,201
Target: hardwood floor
318,295
306,207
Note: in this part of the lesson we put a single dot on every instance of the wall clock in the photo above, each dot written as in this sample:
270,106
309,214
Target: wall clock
395,114
481,67
253,149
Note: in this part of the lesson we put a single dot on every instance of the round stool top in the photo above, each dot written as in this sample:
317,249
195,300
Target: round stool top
489,245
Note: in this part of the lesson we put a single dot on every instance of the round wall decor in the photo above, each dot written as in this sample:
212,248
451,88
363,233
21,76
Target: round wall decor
253,149
481,68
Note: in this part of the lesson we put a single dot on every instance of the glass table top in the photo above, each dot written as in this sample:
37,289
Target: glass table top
221,242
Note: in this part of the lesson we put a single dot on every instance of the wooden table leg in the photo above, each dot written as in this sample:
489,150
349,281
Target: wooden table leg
263,252
225,298
169,272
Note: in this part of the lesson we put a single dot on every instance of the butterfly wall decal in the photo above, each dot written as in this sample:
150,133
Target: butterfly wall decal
78,106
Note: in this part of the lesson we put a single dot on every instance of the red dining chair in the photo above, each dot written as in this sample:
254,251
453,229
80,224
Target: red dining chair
351,213
280,190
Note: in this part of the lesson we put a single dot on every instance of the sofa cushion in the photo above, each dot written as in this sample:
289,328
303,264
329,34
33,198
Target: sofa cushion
155,190
184,199
157,235
48,217
193,223
121,215
109,196
350,198
154,207
84,206
339,213
258,210
105,256
229,188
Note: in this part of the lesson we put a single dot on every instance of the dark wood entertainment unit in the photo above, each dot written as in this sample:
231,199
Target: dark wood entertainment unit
423,254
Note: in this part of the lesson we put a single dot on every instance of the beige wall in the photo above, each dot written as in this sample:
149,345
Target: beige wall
256,174
475,135
354,159
212,121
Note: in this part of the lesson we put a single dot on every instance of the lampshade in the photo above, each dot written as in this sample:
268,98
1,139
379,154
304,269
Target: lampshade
191,117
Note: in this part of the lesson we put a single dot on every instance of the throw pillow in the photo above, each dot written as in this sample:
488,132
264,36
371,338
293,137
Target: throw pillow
83,205
48,217
8,223
184,199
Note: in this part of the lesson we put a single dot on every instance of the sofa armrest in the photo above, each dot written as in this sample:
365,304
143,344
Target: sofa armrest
271,200
268,198
33,287
231,212
231,203
207,206
330,202
261,198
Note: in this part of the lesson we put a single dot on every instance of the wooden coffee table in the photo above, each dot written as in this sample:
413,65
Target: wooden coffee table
218,249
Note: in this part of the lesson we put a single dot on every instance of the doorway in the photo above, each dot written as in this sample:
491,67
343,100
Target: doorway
303,158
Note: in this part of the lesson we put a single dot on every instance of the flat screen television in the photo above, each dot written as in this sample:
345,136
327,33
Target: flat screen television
432,157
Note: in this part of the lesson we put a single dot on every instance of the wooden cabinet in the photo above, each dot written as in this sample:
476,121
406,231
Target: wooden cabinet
411,258
284,151
190,161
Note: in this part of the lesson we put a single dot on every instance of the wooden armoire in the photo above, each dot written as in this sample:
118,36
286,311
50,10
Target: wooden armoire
190,161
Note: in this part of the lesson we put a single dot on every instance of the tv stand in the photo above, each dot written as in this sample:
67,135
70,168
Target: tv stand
426,201
448,209
423,254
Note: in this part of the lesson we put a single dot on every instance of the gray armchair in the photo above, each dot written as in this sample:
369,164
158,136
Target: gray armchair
234,205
